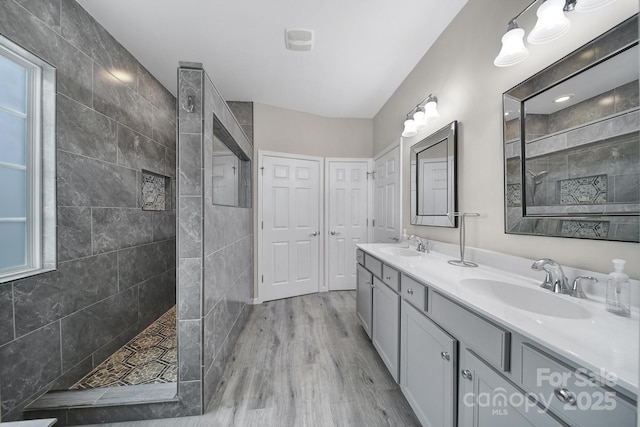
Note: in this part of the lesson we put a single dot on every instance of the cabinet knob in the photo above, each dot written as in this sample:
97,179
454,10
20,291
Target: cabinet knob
410,291
467,375
387,277
565,396
445,356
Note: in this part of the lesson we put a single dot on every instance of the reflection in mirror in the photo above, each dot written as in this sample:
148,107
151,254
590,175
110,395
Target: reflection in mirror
433,178
224,174
572,161
230,176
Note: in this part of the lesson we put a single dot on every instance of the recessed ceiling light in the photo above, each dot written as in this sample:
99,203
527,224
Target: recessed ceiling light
563,98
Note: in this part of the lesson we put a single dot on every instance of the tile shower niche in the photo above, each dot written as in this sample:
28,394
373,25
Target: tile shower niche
156,191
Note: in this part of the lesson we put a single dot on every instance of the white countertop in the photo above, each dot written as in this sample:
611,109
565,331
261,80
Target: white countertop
604,343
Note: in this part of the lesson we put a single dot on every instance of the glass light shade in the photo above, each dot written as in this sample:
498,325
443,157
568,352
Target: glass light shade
431,110
591,5
419,120
551,24
409,128
513,49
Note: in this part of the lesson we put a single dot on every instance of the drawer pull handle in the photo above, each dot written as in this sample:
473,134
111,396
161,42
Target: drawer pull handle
410,291
467,375
445,356
565,396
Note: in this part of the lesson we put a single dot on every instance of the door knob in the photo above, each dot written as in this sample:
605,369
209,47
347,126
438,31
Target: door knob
334,233
314,234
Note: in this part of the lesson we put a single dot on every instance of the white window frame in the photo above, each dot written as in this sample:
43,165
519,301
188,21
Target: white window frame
40,164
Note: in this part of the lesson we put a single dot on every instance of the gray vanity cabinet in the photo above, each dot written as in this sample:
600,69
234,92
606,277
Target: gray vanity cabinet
386,325
427,368
364,297
487,399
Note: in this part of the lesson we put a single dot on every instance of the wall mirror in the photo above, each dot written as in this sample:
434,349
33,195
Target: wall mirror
433,178
571,147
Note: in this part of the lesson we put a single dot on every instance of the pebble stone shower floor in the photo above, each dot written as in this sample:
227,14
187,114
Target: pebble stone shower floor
149,358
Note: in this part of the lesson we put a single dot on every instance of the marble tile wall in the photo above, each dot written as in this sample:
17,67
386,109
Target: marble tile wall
215,270
116,263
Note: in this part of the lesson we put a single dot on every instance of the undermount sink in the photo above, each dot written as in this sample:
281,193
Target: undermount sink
394,250
528,299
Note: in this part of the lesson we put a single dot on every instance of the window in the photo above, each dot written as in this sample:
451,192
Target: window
27,163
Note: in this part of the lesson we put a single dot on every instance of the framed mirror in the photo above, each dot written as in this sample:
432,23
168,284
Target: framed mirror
433,178
571,146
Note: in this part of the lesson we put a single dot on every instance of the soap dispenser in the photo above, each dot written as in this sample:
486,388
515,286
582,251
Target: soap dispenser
618,295
404,243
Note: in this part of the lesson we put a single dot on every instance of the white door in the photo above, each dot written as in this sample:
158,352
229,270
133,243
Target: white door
346,214
434,186
290,226
386,198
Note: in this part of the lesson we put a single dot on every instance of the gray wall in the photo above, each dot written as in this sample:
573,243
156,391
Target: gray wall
215,273
116,263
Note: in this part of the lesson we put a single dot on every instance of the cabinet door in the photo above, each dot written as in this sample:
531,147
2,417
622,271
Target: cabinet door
427,368
386,325
486,399
364,298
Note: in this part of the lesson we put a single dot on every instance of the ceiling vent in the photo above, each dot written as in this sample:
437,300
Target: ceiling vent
298,39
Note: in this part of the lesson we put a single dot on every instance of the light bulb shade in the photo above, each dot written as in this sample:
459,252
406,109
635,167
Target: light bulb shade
409,128
419,120
551,23
591,5
513,49
431,110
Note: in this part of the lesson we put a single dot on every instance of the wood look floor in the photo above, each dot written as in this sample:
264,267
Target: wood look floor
303,361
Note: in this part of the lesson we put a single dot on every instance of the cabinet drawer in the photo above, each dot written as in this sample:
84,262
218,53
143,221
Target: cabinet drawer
359,257
374,265
486,339
414,293
390,277
571,394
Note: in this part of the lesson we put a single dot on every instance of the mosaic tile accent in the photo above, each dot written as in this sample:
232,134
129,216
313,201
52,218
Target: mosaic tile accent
149,358
514,195
156,191
585,229
588,190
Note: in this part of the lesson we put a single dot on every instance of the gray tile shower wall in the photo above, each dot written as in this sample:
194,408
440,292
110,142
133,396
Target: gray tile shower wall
116,263
215,274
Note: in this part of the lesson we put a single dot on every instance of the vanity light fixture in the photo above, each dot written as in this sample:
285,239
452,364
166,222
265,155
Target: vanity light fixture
409,127
418,118
551,25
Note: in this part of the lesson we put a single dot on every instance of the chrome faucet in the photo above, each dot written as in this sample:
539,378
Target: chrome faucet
422,246
576,289
555,281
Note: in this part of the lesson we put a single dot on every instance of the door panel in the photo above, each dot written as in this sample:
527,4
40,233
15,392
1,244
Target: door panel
387,198
291,222
347,219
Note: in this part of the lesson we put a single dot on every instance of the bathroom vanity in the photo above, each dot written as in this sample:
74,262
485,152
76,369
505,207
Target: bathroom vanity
483,347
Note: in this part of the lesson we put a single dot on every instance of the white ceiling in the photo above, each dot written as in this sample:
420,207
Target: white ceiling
363,50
